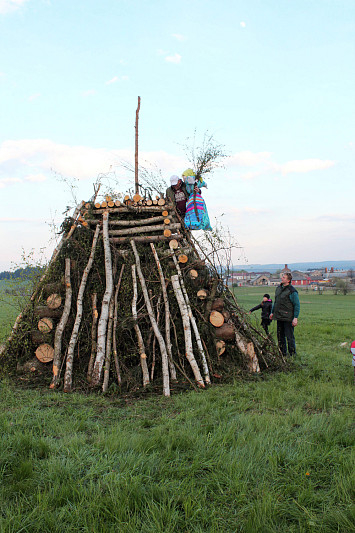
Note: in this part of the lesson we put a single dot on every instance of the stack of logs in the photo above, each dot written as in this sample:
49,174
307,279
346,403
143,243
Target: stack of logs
155,221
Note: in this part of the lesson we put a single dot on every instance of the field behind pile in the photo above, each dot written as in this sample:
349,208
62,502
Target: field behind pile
273,454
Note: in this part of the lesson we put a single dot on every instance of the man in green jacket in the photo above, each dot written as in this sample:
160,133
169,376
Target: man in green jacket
285,310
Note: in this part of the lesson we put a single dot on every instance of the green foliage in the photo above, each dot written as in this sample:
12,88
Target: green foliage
341,286
206,156
272,455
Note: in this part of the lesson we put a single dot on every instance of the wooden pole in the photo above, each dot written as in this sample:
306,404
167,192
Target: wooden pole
167,313
193,322
102,325
187,330
114,340
162,346
79,311
136,150
141,346
60,328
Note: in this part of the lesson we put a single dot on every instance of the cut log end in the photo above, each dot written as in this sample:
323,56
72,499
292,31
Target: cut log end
45,324
216,319
182,258
202,294
54,301
173,244
193,273
45,353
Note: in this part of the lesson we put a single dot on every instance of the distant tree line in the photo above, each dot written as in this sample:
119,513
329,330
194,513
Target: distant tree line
21,273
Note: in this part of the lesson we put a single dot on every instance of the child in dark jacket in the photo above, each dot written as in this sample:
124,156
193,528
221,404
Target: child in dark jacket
265,306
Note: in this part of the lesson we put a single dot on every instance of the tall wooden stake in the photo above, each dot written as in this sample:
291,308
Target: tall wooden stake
136,150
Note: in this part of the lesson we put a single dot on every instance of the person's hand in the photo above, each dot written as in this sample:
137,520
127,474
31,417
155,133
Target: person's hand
249,313
294,322
271,316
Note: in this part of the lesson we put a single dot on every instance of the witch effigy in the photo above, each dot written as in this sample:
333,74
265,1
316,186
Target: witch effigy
196,215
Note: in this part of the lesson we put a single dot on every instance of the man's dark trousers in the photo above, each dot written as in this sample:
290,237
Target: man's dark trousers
286,337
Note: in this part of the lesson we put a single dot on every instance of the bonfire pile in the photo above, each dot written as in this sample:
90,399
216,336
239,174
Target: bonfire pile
127,300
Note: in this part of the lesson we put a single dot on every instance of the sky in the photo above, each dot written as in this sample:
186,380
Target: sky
273,82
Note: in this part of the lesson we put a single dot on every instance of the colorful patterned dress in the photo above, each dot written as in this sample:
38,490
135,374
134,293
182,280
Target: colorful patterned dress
196,216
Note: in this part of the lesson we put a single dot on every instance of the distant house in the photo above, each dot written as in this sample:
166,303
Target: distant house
260,279
299,278
284,270
238,277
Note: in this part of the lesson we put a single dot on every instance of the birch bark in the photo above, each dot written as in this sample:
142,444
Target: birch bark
187,330
102,326
79,312
167,314
194,325
141,346
60,328
163,351
115,320
93,336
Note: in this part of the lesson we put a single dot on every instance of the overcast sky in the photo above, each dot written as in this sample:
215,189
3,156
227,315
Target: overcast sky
272,80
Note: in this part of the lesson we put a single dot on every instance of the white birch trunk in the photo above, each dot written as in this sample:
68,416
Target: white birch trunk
194,325
141,346
187,330
163,351
60,328
115,313
93,336
108,346
167,314
247,348
102,326
79,312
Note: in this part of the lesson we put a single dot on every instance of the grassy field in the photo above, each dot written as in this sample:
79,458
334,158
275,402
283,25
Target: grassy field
274,454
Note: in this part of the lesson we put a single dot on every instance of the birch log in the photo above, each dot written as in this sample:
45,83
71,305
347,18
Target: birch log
93,336
101,329
141,346
167,314
60,328
247,348
79,311
143,229
162,346
114,340
193,322
187,330
108,345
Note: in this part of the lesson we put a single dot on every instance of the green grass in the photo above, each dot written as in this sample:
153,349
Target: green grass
11,301
273,454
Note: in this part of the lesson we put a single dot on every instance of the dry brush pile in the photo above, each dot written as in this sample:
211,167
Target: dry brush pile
128,302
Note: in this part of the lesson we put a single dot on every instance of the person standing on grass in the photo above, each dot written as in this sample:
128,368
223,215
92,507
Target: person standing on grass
285,310
265,307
